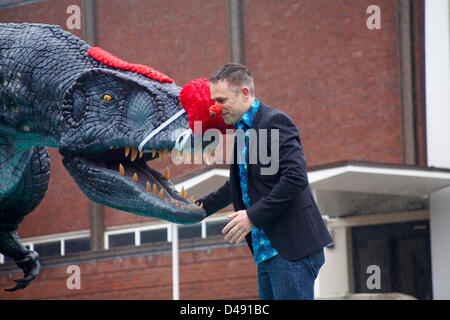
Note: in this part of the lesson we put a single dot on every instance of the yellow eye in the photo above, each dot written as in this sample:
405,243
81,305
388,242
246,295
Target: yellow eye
107,98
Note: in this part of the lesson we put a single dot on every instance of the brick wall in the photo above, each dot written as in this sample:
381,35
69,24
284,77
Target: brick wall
216,273
338,80
64,208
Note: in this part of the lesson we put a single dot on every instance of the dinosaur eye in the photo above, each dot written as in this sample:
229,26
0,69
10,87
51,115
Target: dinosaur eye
107,98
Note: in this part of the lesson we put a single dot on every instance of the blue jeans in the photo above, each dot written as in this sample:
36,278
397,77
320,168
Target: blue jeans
282,279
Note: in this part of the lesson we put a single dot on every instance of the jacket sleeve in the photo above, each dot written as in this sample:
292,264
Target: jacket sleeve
292,169
217,200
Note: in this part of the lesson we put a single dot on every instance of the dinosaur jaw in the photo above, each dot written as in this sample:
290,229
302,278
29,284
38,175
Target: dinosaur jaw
120,178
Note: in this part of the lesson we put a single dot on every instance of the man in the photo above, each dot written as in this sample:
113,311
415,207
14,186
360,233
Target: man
275,213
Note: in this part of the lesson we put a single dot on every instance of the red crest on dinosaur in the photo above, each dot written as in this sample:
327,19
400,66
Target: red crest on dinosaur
111,60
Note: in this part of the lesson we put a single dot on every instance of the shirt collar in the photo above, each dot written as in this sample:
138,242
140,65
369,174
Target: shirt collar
248,117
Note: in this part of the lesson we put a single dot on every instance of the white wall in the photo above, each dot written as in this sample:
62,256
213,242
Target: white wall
440,242
334,276
437,74
437,64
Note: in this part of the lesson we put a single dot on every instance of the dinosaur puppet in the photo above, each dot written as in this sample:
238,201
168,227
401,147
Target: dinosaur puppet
57,91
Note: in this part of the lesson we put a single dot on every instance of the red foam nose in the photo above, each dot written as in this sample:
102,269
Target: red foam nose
215,111
195,97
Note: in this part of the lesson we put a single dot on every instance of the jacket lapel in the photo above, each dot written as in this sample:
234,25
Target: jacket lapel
255,127
258,115
234,169
234,180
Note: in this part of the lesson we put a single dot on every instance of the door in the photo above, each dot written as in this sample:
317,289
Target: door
393,257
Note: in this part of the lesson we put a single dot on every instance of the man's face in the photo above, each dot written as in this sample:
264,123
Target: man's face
234,101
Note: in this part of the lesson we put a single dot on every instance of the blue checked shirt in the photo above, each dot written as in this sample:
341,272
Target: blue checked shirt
262,248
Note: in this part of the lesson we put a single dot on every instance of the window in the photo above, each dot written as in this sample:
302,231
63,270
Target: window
58,246
77,245
136,236
214,228
46,249
192,231
155,235
121,239
70,243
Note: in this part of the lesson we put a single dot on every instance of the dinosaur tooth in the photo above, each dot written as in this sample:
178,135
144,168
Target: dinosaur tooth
135,177
182,192
192,199
153,152
127,151
182,208
141,154
166,173
177,205
121,170
148,187
207,158
161,193
166,200
200,206
134,153
189,207
161,155
155,189
179,156
166,152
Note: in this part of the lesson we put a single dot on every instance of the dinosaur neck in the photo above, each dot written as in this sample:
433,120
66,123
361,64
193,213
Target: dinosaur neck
38,63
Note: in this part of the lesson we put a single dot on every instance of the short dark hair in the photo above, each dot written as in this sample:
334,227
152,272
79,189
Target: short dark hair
236,76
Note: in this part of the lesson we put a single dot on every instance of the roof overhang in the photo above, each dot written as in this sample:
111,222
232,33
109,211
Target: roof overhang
343,188
348,187
395,180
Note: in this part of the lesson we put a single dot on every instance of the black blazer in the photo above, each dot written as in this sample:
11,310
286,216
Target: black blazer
282,204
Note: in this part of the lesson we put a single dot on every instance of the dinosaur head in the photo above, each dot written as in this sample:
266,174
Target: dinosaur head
106,114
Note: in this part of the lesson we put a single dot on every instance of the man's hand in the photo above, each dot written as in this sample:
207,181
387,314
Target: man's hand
238,228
